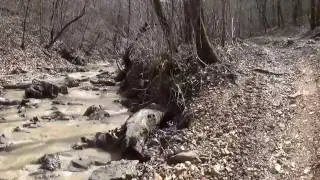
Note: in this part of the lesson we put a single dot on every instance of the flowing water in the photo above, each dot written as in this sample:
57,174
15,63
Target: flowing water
57,136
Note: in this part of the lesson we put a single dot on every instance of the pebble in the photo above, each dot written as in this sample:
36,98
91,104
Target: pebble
218,168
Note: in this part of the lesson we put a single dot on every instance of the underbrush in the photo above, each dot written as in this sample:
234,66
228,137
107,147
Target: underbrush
169,81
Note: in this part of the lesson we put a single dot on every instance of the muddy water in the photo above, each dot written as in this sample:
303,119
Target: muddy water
57,136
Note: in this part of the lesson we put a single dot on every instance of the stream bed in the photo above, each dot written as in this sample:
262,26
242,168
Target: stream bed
58,136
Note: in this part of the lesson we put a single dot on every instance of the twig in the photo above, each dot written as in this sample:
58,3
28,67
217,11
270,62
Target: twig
262,71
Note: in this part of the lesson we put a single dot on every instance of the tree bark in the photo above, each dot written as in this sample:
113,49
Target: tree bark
262,8
223,35
313,18
165,25
297,11
187,22
279,14
204,48
24,24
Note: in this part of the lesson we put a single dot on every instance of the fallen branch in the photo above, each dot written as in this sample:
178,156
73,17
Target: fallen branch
262,71
17,86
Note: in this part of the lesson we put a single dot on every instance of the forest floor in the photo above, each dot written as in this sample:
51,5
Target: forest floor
266,126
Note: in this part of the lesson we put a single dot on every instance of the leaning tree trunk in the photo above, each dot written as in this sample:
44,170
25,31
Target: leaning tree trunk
205,50
165,25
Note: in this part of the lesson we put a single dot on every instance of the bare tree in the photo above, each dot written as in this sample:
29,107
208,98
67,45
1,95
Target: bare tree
280,20
297,11
315,13
205,50
187,22
24,24
262,8
165,25
223,35
66,26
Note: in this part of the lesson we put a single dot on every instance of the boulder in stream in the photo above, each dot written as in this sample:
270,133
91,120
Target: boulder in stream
43,89
50,162
96,113
7,102
80,165
130,138
57,115
72,82
4,143
102,81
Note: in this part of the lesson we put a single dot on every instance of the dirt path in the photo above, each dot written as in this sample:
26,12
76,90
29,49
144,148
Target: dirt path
267,126
288,138
306,125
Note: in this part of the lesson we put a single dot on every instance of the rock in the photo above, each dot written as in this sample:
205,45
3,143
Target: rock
30,125
18,70
137,128
96,113
130,138
43,89
79,146
108,141
50,162
20,129
276,169
58,102
57,115
218,168
71,82
7,102
124,169
105,82
80,61
79,165
156,176
182,157
4,143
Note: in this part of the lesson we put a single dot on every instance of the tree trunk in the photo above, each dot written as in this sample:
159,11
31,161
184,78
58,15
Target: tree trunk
129,21
204,49
165,25
24,25
262,8
187,22
313,18
223,35
297,11
279,14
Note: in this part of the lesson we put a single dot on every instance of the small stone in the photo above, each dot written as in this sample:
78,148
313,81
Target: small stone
78,165
156,176
183,157
188,163
282,126
277,168
307,170
218,168
180,167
